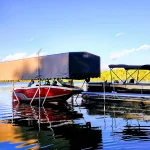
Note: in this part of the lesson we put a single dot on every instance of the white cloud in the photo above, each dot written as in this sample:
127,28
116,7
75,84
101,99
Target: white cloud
119,34
128,51
21,56
31,39
14,56
35,54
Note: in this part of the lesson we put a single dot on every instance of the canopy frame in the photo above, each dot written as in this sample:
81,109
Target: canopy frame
136,68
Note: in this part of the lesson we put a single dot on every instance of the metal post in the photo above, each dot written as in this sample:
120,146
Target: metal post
111,75
34,96
104,104
126,75
12,102
72,100
46,95
137,76
86,86
12,90
39,101
39,120
104,95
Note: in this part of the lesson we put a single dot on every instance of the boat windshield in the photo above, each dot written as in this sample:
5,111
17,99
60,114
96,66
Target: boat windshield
61,82
55,82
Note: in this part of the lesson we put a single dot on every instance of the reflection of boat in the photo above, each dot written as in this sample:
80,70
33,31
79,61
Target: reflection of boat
51,114
80,136
129,89
58,134
51,93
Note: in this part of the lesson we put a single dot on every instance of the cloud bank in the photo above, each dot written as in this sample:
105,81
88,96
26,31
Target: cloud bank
21,56
128,51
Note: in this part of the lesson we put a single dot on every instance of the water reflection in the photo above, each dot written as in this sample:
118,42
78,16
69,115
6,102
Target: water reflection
130,121
134,133
120,110
58,129
49,114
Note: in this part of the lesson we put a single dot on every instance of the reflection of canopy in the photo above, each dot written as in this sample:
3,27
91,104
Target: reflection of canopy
71,65
128,67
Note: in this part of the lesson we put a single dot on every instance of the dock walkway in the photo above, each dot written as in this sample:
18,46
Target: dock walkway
116,96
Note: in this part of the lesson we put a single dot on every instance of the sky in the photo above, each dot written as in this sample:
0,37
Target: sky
116,30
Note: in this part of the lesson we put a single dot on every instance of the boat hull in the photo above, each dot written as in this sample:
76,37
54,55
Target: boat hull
47,93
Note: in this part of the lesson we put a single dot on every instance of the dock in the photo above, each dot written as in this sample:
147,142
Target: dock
114,96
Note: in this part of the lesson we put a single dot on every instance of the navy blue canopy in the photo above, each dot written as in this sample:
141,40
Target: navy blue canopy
128,67
71,65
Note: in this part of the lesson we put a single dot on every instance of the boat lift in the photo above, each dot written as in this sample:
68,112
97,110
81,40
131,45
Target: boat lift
70,66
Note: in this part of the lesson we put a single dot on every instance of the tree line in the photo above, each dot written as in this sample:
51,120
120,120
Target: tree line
105,75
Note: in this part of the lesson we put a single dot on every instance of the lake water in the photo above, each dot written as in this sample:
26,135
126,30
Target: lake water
113,125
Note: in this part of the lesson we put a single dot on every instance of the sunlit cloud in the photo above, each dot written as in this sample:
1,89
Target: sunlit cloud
119,34
21,56
124,52
14,56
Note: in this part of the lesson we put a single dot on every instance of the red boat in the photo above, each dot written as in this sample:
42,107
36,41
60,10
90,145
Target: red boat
50,93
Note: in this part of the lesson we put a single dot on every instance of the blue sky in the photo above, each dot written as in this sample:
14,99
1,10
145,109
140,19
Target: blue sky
116,30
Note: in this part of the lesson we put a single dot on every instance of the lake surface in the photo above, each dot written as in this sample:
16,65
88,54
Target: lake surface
90,126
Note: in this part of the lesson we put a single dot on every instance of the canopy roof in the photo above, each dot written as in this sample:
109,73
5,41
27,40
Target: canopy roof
129,67
71,65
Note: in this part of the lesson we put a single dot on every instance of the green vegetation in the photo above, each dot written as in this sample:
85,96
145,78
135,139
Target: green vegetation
105,75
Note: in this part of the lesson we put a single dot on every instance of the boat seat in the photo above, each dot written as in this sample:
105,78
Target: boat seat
54,83
131,81
116,81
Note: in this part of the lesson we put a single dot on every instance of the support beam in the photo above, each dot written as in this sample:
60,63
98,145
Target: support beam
145,76
13,92
130,75
111,74
34,96
46,95
117,75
